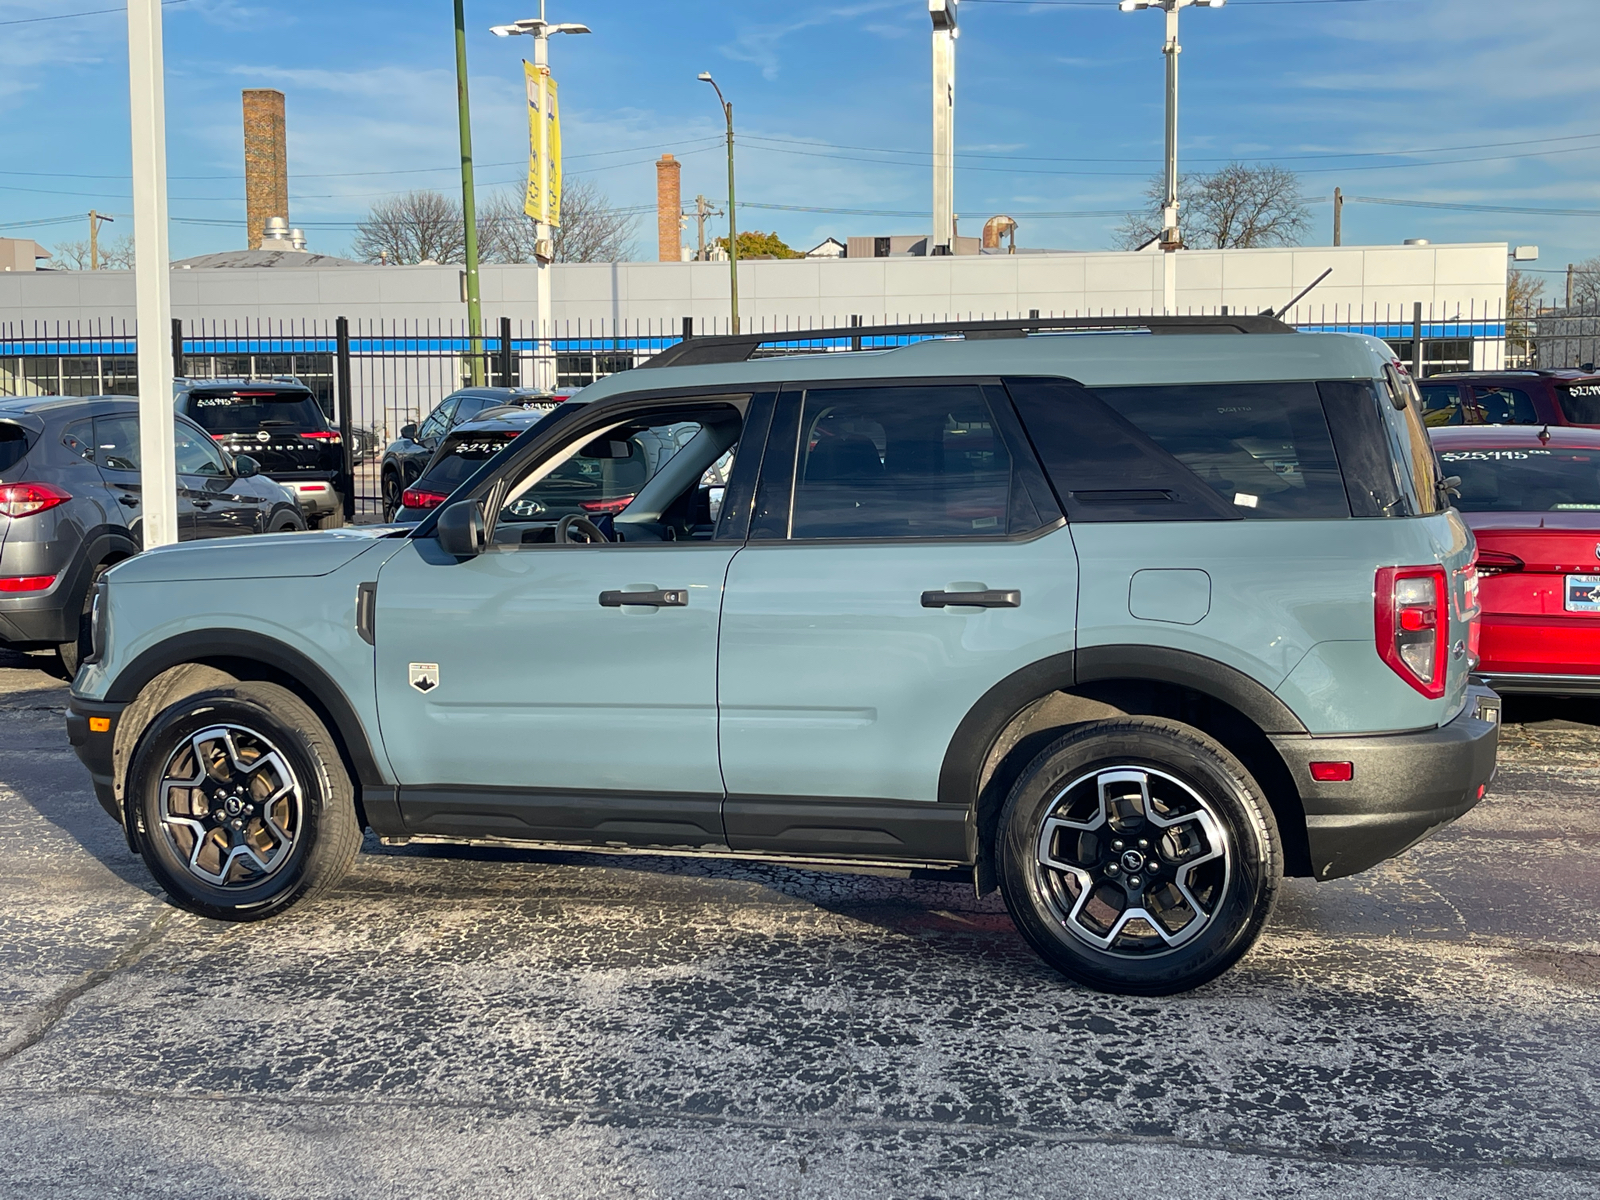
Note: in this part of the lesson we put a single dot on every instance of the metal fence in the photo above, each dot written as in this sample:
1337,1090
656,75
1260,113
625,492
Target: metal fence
394,372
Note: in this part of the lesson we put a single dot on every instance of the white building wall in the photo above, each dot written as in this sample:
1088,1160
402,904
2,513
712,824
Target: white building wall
1446,279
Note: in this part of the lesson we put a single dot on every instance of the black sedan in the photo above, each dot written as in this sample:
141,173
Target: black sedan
407,455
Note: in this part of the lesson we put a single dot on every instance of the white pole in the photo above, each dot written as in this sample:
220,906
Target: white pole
944,124
1171,238
545,371
147,107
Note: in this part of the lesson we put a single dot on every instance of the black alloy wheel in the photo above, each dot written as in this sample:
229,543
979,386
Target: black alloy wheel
241,804
1138,856
392,495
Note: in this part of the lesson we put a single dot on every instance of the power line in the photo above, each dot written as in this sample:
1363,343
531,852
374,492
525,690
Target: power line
1487,208
93,12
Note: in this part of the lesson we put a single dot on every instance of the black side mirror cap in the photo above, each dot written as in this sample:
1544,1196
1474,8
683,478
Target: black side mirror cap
408,433
244,466
461,530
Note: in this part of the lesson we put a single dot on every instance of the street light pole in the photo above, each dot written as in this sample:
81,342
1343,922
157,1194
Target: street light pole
544,234
733,229
1171,236
158,478
469,206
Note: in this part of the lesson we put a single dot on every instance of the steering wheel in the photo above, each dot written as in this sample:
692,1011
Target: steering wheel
588,533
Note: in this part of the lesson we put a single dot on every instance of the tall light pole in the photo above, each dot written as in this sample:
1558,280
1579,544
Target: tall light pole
733,230
1171,237
945,32
544,238
158,479
469,204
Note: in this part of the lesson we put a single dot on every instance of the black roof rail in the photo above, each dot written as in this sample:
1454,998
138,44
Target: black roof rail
740,347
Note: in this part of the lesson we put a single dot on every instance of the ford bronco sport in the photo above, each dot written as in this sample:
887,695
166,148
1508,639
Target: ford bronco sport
1129,624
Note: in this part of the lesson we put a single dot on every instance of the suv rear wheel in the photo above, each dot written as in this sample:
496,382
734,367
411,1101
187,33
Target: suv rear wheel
1139,856
242,803
71,653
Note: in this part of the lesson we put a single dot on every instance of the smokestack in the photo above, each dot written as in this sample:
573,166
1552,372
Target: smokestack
669,209
266,162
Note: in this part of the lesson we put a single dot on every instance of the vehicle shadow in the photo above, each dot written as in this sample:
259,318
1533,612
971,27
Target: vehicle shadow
1572,711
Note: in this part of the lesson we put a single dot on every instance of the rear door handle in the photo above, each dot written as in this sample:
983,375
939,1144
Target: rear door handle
658,598
993,598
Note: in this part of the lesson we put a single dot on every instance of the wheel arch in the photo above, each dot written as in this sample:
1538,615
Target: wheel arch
195,661
1024,712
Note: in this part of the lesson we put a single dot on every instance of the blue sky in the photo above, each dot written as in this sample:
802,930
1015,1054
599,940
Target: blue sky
1059,110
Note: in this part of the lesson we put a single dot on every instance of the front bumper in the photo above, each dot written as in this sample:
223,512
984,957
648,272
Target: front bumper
92,730
1404,785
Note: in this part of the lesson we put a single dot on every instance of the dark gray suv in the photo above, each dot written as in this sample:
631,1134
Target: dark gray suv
70,507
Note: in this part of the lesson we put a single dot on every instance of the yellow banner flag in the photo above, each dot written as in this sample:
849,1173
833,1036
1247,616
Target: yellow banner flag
538,204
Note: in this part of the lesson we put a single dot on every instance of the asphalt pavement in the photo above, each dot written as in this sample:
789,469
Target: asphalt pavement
475,1024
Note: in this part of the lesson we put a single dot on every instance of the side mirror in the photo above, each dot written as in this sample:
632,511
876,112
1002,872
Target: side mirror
461,530
244,466
408,433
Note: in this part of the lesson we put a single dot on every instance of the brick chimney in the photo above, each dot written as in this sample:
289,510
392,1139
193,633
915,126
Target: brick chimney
266,162
669,209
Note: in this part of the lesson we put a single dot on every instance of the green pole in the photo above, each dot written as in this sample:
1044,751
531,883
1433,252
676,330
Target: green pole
469,209
733,231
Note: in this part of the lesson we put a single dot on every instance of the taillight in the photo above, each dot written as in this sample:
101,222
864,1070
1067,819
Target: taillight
606,506
25,583
322,435
1498,562
417,498
25,499
1412,618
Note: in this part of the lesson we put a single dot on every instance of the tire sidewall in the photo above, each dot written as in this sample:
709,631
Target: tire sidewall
164,735
1199,763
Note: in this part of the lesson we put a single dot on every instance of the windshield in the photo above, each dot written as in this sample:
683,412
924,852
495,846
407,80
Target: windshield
246,412
1517,480
461,455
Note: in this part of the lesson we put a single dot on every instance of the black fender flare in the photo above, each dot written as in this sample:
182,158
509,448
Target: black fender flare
975,736
210,645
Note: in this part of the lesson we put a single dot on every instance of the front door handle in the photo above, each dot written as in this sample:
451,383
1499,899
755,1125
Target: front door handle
657,598
991,598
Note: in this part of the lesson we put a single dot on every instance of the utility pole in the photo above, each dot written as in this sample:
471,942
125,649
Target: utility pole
544,233
469,208
1338,217
702,210
95,220
733,231
1569,285
945,32
147,111
1171,235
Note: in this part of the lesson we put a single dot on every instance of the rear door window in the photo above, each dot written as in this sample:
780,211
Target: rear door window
1263,448
1505,406
1580,403
901,462
249,412
1448,404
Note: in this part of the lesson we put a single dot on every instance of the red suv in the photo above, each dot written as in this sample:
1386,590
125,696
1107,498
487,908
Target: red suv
1512,398
1532,497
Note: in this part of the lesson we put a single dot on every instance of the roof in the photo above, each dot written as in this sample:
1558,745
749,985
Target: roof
264,258
1564,374
1516,436
1094,359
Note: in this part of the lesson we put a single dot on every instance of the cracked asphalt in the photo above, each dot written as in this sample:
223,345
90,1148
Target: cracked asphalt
473,1024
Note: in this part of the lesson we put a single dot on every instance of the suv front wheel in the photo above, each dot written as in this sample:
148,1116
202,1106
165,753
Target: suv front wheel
242,804
1138,856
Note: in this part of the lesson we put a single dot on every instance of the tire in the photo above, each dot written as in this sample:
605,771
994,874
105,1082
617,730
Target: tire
287,522
392,492
71,653
263,744
332,520
1138,856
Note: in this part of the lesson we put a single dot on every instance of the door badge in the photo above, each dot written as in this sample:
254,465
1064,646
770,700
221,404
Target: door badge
424,676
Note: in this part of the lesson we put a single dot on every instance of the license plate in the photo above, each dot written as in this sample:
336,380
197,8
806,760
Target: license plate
1583,593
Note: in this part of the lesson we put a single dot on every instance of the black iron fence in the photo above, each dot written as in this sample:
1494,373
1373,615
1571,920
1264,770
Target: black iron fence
376,376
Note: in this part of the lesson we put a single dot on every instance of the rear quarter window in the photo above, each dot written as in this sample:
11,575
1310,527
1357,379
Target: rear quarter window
13,444
1580,403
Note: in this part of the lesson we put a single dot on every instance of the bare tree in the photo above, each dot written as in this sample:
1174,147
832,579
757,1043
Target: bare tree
415,227
74,256
591,230
1586,283
1237,207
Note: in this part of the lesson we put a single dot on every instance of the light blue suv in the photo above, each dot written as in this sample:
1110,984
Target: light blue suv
1128,623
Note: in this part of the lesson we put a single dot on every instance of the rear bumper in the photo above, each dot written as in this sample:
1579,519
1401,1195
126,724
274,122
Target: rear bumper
1548,644
93,746
316,496
1404,786
1542,685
